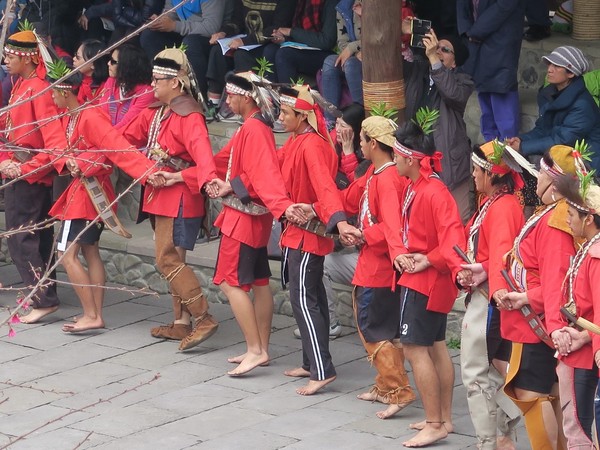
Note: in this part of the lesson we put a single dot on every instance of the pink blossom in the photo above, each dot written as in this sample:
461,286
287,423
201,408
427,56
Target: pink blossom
15,319
11,332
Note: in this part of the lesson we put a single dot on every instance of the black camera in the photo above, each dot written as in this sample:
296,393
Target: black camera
419,28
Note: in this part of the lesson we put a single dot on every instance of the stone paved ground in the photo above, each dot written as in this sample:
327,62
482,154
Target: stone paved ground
121,388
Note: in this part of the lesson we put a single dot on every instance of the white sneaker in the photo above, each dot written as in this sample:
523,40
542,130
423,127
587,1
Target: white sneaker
335,330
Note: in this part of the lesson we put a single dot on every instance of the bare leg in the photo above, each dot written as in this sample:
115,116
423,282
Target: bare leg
442,361
91,319
97,274
429,385
263,309
245,314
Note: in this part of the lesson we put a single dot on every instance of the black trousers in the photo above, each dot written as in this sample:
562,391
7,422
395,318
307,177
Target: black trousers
27,204
309,305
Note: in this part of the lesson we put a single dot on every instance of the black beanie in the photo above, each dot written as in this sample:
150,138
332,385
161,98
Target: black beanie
461,52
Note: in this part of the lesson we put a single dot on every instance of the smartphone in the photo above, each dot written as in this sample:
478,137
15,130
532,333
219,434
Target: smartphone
419,28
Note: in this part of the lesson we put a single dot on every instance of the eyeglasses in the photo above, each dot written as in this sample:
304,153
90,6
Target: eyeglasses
114,62
445,49
163,78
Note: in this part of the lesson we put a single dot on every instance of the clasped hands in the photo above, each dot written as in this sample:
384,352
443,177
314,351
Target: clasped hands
10,169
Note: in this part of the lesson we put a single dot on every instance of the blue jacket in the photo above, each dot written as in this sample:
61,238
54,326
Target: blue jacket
564,118
344,8
494,42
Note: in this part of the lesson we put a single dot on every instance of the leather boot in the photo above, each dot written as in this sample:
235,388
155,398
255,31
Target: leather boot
175,331
391,382
205,325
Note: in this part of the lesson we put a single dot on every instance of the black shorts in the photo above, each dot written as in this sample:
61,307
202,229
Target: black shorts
537,369
70,229
418,326
498,348
240,265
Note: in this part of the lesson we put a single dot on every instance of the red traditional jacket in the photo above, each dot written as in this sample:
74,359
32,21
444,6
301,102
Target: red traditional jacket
92,133
431,225
182,134
309,165
121,111
250,164
587,298
376,198
87,93
32,124
493,236
545,250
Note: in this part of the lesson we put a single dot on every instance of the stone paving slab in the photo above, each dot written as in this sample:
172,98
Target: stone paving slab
121,388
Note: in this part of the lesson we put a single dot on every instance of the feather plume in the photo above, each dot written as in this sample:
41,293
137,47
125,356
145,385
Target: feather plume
516,161
325,105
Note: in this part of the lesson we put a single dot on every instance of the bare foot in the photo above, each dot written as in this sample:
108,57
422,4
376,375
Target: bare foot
505,443
297,372
36,314
314,386
83,324
392,410
74,319
428,435
420,425
240,358
250,361
370,396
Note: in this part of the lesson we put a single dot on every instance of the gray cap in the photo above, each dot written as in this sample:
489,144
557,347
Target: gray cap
571,58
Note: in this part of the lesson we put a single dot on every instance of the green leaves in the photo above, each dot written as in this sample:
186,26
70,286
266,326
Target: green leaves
496,157
263,67
584,150
26,25
298,82
425,118
381,109
57,69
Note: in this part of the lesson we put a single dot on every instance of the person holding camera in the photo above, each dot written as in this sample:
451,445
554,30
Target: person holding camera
437,82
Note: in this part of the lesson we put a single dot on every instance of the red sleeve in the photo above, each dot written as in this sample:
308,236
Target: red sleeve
95,126
501,230
329,208
352,194
349,163
554,256
593,276
197,143
222,160
136,131
450,232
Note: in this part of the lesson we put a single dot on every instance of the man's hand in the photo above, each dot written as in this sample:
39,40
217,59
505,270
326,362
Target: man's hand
83,22
406,25
404,263
513,300
236,43
215,37
164,24
73,167
299,213
479,275
515,143
156,180
430,41
218,188
347,233
166,179
10,169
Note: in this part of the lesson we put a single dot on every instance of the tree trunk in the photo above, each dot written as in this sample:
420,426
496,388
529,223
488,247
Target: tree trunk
381,49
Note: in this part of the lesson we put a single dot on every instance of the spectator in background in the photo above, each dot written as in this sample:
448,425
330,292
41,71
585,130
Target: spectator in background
348,63
438,82
127,91
313,25
494,29
94,74
192,25
257,20
347,143
567,111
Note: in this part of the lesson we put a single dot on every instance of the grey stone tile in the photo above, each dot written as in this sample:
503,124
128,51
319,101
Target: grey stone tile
122,422
296,423
47,335
126,313
250,439
59,439
153,438
348,440
44,418
221,421
76,354
21,398
13,352
132,337
161,353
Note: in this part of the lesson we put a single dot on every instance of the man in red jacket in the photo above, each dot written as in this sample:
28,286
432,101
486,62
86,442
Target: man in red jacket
309,165
29,124
174,131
